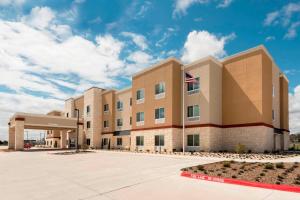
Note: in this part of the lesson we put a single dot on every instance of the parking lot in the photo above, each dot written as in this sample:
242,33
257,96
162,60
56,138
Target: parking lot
114,175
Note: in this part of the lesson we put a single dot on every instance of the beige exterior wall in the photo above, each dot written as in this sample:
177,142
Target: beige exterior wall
256,138
284,103
124,96
108,97
276,95
93,98
169,73
209,97
125,142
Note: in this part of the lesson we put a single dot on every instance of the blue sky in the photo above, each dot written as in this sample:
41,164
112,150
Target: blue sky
51,50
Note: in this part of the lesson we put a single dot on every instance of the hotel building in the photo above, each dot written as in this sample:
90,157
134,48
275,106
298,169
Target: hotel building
240,100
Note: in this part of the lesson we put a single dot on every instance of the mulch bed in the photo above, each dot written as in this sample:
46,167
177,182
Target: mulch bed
270,173
72,152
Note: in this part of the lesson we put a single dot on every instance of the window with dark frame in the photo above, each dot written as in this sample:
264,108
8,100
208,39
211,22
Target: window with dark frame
193,111
140,116
139,140
119,105
140,94
88,142
159,113
160,88
106,107
119,122
192,86
119,141
159,140
88,124
105,124
193,140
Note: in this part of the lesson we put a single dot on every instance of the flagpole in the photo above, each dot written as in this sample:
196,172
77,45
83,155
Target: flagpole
183,114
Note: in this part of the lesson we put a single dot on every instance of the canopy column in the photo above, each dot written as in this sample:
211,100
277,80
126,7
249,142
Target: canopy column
11,137
63,138
19,134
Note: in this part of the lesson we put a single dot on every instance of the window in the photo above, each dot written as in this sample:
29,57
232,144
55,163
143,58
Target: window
119,122
193,111
159,140
194,86
140,116
119,105
130,121
139,140
140,94
130,101
105,124
88,142
160,88
88,124
193,140
159,113
88,109
119,141
67,114
106,107
273,115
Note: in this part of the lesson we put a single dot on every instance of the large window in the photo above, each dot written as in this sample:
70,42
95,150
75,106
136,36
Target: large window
88,124
159,140
88,142
194,86
159,113
119,105
119,141
119,122
193,111
193,140
106,107
139,140
140,116
140,94
160,88
105,124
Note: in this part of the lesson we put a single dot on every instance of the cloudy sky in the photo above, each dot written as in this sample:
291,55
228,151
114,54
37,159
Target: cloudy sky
50,51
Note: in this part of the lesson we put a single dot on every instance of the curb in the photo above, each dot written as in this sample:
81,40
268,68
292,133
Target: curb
285,188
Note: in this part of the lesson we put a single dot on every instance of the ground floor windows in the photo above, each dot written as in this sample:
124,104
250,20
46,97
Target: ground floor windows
119,141
159,140
193,140
88,142
139,140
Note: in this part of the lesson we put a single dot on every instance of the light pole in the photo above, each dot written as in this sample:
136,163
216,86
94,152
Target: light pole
77,131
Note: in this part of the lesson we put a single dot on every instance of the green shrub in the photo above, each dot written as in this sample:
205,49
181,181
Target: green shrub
269,166
234,176
280,165
200,167
240,148
226,164
262,174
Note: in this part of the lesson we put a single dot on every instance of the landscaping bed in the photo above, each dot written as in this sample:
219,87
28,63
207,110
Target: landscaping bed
73,152
269,173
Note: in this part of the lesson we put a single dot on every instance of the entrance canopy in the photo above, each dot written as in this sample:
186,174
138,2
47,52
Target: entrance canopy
20,121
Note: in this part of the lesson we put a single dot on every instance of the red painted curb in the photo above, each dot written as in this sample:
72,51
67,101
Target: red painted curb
286,188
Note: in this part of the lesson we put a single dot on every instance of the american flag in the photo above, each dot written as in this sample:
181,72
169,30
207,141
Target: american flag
190,78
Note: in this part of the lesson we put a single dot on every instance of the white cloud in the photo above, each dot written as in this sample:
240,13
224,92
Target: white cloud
224,3
138,39
284,17
294,109
181,6
202,43
270,38
167,34
11,2
39,17
292,31
140,58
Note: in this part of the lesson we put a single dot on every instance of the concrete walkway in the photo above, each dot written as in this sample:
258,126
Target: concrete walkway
115,175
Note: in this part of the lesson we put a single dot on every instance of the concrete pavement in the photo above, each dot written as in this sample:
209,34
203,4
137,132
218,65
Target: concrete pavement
115,175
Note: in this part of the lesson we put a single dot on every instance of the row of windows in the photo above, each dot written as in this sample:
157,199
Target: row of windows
193,140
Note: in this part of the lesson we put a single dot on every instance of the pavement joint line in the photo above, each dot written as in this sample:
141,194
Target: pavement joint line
267,195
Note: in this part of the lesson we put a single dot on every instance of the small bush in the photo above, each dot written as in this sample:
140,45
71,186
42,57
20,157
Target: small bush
262,174
280,165
240,148
234,176
269,166
277,182
279,177
226,164
184,169
219,174
200,167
